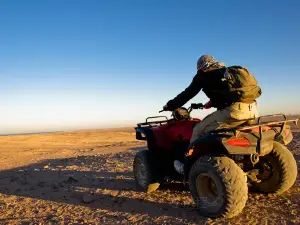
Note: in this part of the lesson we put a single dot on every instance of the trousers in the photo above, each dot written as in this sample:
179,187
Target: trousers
229,117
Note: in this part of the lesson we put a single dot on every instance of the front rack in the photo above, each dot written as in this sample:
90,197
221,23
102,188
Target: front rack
153,123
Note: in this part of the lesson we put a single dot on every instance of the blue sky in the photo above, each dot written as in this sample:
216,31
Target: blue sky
91,64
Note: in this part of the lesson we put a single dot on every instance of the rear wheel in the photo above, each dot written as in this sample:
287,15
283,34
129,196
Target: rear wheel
218,186
277,171
146,171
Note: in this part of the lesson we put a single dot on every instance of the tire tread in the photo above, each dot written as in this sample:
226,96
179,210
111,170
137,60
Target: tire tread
234,181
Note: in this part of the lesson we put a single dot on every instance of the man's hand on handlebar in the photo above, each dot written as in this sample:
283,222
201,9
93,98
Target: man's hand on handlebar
165,108
201,106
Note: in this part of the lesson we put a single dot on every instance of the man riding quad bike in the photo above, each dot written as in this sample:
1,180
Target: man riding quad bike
220,159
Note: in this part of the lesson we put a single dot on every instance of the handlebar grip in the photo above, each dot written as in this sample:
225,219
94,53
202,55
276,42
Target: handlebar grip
197,105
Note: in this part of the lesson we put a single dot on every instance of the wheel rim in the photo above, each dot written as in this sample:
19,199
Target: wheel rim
207,189
140,173
265,169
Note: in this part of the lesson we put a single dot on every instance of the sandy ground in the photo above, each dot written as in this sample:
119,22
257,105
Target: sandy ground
86,178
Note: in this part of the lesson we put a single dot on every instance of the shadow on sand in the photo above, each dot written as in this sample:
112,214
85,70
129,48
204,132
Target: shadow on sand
106,176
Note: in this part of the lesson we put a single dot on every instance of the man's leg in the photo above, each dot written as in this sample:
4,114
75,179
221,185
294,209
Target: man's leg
217,120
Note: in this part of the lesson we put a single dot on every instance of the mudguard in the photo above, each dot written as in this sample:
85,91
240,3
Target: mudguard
217,144
206,145
147,134
140,133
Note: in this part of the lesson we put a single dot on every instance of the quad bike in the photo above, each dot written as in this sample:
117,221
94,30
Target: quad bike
220,166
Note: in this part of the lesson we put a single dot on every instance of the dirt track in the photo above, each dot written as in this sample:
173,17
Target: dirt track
44,179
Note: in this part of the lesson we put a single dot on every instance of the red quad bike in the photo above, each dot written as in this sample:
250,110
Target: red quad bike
220,166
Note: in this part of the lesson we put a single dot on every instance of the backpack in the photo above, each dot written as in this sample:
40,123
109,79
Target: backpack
241,85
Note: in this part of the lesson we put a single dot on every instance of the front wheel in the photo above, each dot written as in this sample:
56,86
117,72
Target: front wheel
277,171
218,186
146,171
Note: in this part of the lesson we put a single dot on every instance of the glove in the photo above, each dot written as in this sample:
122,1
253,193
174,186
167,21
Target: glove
166,108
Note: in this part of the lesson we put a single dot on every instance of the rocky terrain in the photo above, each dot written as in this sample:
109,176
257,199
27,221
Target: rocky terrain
86,177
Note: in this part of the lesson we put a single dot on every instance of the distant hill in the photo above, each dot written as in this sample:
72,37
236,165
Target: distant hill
15,134
131,129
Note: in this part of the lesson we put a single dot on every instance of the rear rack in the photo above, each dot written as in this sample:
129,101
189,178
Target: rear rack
281,123
237,130
152,123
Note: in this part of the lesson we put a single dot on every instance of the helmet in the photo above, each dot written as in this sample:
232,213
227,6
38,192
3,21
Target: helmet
205,61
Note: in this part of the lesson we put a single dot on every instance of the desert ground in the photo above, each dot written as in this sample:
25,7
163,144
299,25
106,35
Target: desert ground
86,177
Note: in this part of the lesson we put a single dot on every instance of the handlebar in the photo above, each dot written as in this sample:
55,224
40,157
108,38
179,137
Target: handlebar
197,106
193,106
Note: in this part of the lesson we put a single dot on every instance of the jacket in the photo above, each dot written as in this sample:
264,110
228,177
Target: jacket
210,82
